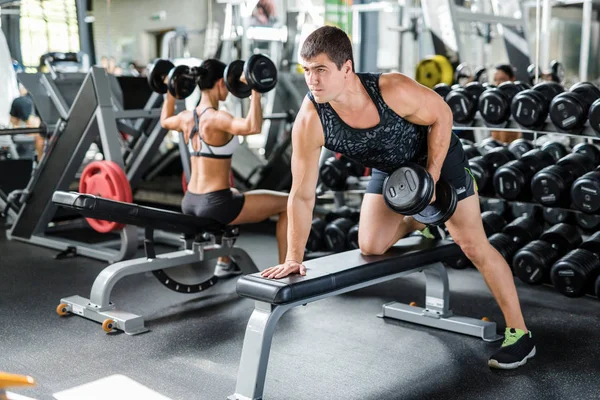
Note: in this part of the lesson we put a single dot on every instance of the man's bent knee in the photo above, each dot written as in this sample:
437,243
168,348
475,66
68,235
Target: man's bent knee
372,248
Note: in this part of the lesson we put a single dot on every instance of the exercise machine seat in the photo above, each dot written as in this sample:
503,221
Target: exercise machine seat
132,214
328,274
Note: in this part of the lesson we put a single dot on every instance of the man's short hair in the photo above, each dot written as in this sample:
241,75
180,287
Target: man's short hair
507,69
331,41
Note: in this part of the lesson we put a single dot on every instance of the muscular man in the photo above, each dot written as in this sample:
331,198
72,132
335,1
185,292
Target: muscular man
212,137
383,121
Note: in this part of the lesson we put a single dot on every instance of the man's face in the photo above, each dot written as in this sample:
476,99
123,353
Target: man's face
323,78
500,77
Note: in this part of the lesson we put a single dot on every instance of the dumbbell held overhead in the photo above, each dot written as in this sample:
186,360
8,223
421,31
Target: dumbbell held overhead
258,73
165,77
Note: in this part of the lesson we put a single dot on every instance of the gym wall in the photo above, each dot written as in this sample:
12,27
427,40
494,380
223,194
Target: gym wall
134,31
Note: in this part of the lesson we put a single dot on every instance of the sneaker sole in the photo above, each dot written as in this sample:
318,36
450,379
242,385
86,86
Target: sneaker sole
496,364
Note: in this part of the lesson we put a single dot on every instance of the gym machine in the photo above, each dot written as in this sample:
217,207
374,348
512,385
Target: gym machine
92,115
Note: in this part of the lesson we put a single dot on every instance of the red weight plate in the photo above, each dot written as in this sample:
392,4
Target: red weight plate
107,180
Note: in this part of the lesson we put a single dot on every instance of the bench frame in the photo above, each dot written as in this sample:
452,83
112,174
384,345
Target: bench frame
99,308
261,326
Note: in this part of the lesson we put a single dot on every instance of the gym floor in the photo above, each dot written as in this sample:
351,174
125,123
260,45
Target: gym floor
332,349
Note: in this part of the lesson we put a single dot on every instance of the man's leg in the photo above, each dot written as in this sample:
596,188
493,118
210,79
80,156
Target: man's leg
379,227
466,228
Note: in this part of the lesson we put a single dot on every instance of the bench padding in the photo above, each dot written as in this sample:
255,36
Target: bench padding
132,214
331,273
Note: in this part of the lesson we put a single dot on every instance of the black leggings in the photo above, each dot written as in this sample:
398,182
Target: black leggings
222,205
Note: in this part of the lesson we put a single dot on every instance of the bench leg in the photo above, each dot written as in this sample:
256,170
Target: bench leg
437,313
255,352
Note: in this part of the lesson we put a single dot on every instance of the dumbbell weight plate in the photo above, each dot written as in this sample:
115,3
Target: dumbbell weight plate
316,238
519,147
589,150
333,174
494,105
408,190
180,84
442,89
232,75
352,238
532,263
261,73
335,234
594,116
563,237
555,216
588,222
585,192
568,112
157,75
574,274
556,149
442,208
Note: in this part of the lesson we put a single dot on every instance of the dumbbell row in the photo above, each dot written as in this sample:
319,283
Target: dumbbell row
528,106
181,81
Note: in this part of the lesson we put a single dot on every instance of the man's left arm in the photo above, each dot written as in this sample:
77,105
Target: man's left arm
421,106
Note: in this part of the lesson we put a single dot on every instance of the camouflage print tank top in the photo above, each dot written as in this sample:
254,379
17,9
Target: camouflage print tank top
385,146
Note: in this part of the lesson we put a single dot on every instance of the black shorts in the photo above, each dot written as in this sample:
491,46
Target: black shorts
223,205
454,171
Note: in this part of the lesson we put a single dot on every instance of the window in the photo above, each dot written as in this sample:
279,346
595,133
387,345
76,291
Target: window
47,26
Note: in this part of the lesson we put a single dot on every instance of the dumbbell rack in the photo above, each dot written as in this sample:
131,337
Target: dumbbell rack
511,126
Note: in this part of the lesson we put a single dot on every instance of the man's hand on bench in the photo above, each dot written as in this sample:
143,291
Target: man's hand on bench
283,270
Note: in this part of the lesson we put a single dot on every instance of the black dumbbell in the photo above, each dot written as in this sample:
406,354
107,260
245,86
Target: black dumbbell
519,147
352,238
497,206
335,171
471,151
585,192
442,89
494,104
409,191
588,222
556,72
316,238
463,102
589,150
529,108
594,116
483,167
592,244
488,144
555,216
260,73
336,233
556,149
343,212
563,237
569,110
523,230
575,274
533,262
552,185
180,80
505,245
525,210
512,180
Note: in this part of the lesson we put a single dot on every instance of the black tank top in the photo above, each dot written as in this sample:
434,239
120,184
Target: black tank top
385,146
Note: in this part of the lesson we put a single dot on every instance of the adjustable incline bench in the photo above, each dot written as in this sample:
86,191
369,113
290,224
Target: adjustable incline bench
342,273
203,239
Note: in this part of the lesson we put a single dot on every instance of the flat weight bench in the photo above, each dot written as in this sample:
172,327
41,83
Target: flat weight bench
342,273
203,239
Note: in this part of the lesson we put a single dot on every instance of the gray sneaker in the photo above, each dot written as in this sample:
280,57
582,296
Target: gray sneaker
223,270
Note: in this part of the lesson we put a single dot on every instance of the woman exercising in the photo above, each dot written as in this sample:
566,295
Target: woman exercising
211,138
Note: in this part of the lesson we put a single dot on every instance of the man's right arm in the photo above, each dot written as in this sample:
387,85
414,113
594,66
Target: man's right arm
307,140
